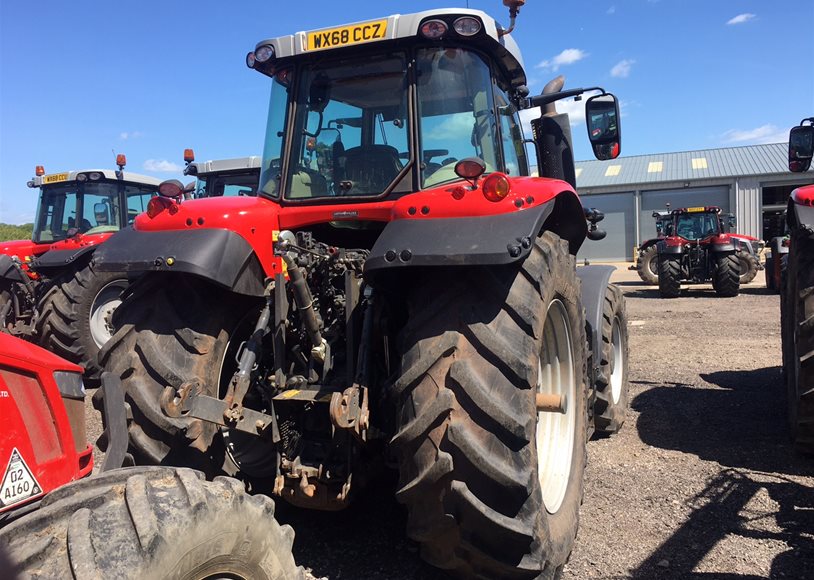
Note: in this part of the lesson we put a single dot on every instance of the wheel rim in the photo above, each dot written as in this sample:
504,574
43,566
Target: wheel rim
617,361
101,311
653,264
556,431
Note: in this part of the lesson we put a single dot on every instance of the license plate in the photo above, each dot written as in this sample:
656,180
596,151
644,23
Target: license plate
55,178
346,35
695,209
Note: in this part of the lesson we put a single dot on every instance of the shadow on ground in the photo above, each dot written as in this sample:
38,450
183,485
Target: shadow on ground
740,424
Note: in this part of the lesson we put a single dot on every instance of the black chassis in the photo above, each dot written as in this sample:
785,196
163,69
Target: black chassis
696,259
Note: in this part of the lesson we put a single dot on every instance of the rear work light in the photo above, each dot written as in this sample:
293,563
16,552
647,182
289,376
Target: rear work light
467,26
250,60
496,187
433,29
171,188
94,176
263,53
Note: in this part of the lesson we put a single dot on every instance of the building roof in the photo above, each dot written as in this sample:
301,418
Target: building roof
685,166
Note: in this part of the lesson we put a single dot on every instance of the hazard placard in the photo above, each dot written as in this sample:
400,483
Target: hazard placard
19,484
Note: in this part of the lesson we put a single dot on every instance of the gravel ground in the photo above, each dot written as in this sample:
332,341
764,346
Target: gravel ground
700,483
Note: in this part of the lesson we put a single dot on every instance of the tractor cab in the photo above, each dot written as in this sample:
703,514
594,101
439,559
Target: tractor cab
697,223
222,177
91,202
379,109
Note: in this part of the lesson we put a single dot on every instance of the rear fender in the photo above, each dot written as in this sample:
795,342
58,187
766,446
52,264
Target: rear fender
673,249
594,281
9,271
60,258
801,208
218,255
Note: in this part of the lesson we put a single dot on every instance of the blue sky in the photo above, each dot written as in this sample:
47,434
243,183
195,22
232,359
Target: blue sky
81,80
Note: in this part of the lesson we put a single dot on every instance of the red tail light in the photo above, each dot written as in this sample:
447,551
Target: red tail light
496,187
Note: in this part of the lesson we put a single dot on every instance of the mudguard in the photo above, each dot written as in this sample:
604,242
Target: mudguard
800,211
730,247
594,281
60,258
219,255
9,270
665,249
466,241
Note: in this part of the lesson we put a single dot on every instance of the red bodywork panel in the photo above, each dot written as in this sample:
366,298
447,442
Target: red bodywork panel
26,250
717,239
35,424
803,195
258,219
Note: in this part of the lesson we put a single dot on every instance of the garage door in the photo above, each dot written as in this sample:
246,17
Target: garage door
618,222
678,198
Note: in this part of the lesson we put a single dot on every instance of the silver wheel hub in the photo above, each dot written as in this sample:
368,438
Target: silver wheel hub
556,432
617,366
101,311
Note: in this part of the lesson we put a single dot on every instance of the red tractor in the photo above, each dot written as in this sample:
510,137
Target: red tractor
146,522
223,177
748,249
50,293
401,290
797,294
698,250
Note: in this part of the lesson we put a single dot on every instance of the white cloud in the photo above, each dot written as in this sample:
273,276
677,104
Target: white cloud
458,126
161,166
567,56
759,136
611,10
621,69
125,135
740,18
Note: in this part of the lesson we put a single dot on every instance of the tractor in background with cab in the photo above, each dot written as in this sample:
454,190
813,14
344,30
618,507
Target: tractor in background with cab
698,250
222,177
398,292
50,292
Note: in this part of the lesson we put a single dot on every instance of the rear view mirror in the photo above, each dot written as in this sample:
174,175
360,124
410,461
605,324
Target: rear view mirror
602,118
801,146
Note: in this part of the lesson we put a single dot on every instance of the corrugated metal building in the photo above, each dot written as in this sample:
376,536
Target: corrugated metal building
751,182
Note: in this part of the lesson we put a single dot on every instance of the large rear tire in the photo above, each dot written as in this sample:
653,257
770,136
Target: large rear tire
611,386
151,523
748,266
669,276
492,487
75,315
726,275
172,330
648,265
798,340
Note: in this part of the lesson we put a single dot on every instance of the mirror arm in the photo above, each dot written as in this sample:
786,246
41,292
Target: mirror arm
545,99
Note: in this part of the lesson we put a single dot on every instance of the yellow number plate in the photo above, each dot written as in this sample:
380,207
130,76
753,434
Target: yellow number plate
55,178
695,209
346,35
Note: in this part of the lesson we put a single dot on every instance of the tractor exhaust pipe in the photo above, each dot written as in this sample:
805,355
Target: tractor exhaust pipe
552,137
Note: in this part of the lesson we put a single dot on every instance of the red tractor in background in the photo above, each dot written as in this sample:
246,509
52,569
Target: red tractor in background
148,522
398,290
797,294
647,260
50,293
223,177
698,249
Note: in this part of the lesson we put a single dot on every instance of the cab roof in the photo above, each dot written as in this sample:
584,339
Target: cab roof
405,26
111,174
222,165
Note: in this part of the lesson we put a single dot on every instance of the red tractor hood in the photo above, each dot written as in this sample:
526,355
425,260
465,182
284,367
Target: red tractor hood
30,357
22,248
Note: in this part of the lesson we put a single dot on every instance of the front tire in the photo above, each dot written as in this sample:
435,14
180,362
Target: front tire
798,340
492,487
75,316
611,385
669,276
648,265
726,275
151,523
748,267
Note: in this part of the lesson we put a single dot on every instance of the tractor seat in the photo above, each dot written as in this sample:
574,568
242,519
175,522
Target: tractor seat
372,168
